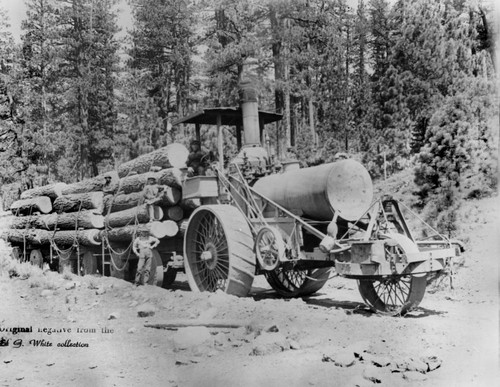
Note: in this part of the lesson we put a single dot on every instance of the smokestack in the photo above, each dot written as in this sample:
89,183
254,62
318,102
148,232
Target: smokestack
250,113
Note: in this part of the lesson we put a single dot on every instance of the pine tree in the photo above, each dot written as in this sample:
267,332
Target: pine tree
161,60
13,164
88,57
43,92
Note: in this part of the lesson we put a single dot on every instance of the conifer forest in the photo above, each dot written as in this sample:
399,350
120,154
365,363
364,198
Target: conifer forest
398,85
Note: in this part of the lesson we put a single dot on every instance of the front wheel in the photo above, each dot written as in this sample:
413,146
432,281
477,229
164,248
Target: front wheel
395,295
218,250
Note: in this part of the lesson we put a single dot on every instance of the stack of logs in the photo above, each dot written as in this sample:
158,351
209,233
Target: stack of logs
65,215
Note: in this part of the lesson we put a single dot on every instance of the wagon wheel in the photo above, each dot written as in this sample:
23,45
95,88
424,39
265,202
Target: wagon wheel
269,248
156,272
294,283
396,294
16,253
36,258
317,279
89,263
66,262
218,250
169,276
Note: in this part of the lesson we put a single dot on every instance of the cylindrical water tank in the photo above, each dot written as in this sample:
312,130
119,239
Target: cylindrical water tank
318,192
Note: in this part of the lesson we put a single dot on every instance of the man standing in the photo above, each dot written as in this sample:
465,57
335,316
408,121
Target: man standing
143,247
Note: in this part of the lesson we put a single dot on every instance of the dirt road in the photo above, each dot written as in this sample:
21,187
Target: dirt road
86,330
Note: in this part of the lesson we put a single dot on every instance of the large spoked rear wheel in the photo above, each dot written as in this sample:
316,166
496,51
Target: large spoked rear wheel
297,283
396,294
218,250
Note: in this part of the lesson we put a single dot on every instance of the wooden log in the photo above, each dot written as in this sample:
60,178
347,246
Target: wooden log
41,204
50,190
169,196
170,228
135,183
61,238
174,213
78,202
131,216
17,236
89,185
174,325
64,221
128,233
173,155
67,237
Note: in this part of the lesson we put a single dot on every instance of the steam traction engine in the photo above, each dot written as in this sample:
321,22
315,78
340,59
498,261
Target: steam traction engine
248,217
296,226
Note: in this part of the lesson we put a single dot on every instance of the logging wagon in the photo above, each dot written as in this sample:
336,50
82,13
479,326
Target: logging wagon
251,215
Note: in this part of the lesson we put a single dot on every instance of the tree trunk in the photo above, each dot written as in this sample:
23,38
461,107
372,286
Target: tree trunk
135,183
61,238
132,216
51,190
159,230
29,206
78,202
173,155
169,196
64,221
88,185
174,213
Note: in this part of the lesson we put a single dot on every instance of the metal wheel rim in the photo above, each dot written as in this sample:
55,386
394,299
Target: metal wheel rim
286,282
156,272
222,234
36,258
269,248
210,252
397,294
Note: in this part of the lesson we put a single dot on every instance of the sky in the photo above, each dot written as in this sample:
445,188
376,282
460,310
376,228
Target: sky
17,12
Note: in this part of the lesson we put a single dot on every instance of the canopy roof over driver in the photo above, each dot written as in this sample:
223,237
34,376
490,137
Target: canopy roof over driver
230,116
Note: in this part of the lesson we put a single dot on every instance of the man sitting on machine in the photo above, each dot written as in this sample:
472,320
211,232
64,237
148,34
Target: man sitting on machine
197,160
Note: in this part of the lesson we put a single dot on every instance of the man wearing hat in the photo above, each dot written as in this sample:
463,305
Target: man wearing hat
109,187
143,247
196,159
150,194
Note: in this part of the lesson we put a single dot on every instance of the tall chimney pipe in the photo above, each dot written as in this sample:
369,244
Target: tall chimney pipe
250,113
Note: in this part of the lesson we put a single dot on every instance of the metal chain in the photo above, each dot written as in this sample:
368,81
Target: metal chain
127,250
